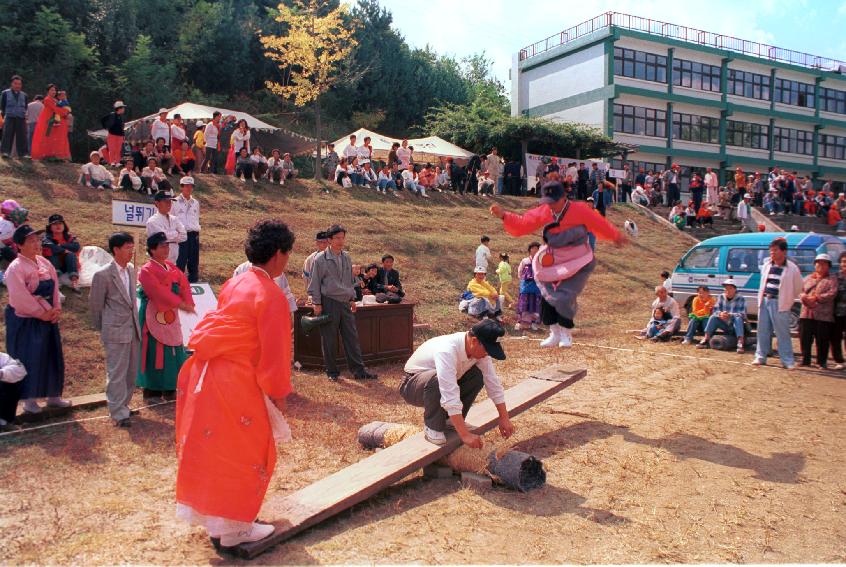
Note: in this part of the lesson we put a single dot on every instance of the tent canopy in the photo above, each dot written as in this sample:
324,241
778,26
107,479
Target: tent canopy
425,149
267,135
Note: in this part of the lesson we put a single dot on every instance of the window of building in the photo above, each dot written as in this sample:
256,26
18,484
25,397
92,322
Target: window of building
696,75
640,65
636,166
748,135
832,147
832,100
794,92
749,85
793,141
639,120
694,128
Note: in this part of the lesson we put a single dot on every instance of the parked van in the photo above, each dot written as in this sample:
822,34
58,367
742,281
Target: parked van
740,256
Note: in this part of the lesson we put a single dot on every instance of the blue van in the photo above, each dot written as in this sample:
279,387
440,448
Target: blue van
740,256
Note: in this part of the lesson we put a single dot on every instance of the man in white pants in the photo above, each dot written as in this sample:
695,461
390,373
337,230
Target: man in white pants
114,311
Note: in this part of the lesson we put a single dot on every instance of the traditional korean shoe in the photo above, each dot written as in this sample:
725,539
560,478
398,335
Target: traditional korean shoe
333,377
255,533
565,339
58,403
434,437
554,336
124,423
366,376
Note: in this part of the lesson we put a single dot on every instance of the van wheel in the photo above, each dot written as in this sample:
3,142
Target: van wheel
794,319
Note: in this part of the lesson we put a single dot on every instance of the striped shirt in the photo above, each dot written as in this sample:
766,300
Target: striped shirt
773,281
736,305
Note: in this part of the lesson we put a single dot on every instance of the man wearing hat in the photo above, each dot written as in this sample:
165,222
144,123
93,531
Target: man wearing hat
114,311
781,284
332,291
744,214
167,223
113,123
187,209
729,315
446,373
816,320
160,128
320,242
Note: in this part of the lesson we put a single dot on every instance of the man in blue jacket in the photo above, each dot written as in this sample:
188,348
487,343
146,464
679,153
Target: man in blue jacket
13,109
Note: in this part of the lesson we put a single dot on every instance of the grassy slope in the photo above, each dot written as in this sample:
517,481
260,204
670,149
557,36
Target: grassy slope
433,242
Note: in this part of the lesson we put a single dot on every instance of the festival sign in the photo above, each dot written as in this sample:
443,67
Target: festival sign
131,213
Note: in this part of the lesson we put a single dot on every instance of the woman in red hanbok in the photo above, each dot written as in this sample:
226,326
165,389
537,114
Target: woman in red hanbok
50,138
231,393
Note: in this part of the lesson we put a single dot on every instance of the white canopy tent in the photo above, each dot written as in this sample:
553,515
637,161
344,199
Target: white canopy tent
427,149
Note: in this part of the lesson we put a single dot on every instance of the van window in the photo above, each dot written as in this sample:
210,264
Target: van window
703,258
746,259
804,258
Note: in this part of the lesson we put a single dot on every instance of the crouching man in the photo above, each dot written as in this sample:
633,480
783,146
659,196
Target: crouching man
446,373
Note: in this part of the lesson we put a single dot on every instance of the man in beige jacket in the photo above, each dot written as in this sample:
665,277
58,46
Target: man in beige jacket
114,311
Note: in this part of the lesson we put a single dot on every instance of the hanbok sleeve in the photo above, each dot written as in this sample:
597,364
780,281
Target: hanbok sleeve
159,293
273,371
184,288
527,223
20,298
595,223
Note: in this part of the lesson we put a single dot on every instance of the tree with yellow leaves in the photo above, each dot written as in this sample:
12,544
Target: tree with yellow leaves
311,54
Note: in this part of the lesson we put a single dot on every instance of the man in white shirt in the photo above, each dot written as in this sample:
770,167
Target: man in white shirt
95,175
212,136
744,214
483,253
165,222
404,155
160,128
446,373
712,186
187,209
114,310
321,242
351,151
365,151
33,111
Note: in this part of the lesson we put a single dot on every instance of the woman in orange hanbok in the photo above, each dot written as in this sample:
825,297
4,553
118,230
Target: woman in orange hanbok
231,393
50,137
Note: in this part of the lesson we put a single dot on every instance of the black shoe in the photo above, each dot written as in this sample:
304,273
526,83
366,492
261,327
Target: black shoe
134,412
125,423
169,395
366,376
333,377
148,394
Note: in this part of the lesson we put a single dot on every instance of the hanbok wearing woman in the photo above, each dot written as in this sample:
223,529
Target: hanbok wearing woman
163,287
564,263
50,137
529,300
33,289
224,439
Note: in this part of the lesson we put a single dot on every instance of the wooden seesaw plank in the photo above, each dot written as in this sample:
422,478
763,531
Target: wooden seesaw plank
349,486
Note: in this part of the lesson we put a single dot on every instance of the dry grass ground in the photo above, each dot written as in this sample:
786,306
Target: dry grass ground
651,458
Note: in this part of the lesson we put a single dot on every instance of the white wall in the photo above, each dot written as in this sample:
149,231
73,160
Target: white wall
573,74
592,114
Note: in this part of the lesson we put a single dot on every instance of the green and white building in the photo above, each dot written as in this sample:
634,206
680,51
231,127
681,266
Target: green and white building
689,96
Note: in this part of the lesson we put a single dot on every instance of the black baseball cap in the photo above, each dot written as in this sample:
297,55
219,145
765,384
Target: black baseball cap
23,232
55,218
163,196
321,236
551,192
489,332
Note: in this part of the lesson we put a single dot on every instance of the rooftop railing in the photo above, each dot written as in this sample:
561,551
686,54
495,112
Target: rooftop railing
682,33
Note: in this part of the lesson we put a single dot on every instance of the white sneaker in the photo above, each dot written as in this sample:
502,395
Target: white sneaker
565,339
58,403
518,327
243,179
281,182
31,406
434,437
255,533
554,337
687,341
3,422
534,326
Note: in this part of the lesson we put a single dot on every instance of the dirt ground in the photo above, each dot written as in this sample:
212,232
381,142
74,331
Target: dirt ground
663,454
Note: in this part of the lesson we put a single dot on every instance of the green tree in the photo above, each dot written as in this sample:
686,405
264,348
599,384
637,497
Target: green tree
143,68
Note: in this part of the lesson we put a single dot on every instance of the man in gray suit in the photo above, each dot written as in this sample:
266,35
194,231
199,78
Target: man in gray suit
331,290
114,311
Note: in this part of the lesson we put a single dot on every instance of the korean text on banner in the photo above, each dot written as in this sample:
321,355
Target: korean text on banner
131,213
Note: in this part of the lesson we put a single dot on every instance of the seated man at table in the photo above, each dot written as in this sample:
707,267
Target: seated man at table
389,279
446,373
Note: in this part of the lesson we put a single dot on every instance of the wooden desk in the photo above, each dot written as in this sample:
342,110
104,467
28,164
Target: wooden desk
385,332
